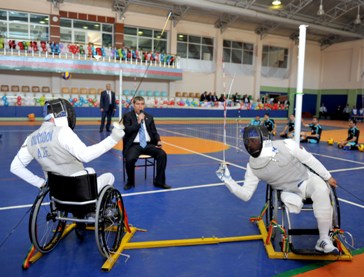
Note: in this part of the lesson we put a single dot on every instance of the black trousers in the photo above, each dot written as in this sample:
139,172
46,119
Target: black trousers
132,155
106,114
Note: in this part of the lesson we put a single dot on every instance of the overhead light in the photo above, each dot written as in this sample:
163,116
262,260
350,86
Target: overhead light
321,11
357,20
276,3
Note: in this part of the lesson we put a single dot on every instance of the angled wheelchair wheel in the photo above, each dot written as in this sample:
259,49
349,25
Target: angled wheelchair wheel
336,220
109,221
272,198
45,230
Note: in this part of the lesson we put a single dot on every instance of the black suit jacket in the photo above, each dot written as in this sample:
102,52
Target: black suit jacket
105,102
130,122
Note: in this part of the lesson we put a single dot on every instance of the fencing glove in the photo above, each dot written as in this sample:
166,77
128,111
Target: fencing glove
117,132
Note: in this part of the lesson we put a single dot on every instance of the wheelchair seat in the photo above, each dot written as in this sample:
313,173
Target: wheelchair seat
64,195
76,195
303,236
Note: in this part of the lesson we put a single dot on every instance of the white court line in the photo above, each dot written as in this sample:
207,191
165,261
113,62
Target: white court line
322,155
20,206
336,158
166,191
351,203
347,169
132,194
198,153
209,185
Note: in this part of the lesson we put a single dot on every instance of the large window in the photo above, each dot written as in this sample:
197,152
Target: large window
145,39
23,26
84,32
195,47
275,56
238,52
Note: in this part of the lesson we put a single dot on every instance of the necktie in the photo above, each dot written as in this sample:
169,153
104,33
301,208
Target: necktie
142,138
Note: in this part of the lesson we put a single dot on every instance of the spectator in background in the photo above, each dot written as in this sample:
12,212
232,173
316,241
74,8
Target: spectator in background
288,131
351,142
286,104
107,107
346,112
316,130
323,111
222,97
214,97
203,96
270,125
246,100
361,114
256,121
208,97
236,98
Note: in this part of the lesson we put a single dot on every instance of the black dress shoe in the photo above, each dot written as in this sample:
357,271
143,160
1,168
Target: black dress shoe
164,186
128,186
100,131
108,130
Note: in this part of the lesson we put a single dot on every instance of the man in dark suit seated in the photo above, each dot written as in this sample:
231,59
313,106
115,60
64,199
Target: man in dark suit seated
107,107
141,137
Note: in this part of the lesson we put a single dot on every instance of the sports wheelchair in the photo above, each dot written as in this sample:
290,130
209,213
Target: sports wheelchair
283,220
74,199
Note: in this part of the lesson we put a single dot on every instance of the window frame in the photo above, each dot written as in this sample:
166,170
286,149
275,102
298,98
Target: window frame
74,29
199,43
138,37
268,59
30,24
231,46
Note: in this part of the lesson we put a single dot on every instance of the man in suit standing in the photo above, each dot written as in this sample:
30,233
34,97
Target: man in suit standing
141,137
107,107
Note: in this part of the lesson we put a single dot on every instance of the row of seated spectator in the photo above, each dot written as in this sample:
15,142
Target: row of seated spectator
21,96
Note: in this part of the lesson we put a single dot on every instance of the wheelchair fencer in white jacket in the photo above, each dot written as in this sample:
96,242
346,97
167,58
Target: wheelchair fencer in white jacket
286,166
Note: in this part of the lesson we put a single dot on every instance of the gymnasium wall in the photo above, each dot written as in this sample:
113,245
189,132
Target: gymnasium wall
337,67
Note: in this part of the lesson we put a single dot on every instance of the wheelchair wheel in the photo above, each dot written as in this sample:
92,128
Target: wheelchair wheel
272,213
109,221
45,230
272,198
336,220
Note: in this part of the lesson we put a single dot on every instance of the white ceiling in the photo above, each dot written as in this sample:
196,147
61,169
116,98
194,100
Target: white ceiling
336,25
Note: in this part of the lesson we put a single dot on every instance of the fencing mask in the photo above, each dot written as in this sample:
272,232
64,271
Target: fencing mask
254,136
62,111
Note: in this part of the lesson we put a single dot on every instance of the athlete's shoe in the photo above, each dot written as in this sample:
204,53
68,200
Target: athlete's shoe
326,246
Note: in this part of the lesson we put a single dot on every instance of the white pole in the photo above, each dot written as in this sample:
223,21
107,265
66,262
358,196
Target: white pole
299,92
120,94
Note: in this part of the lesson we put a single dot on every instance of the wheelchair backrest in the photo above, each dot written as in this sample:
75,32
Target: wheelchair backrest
73,189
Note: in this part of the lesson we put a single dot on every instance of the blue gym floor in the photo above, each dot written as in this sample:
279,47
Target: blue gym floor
197,206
